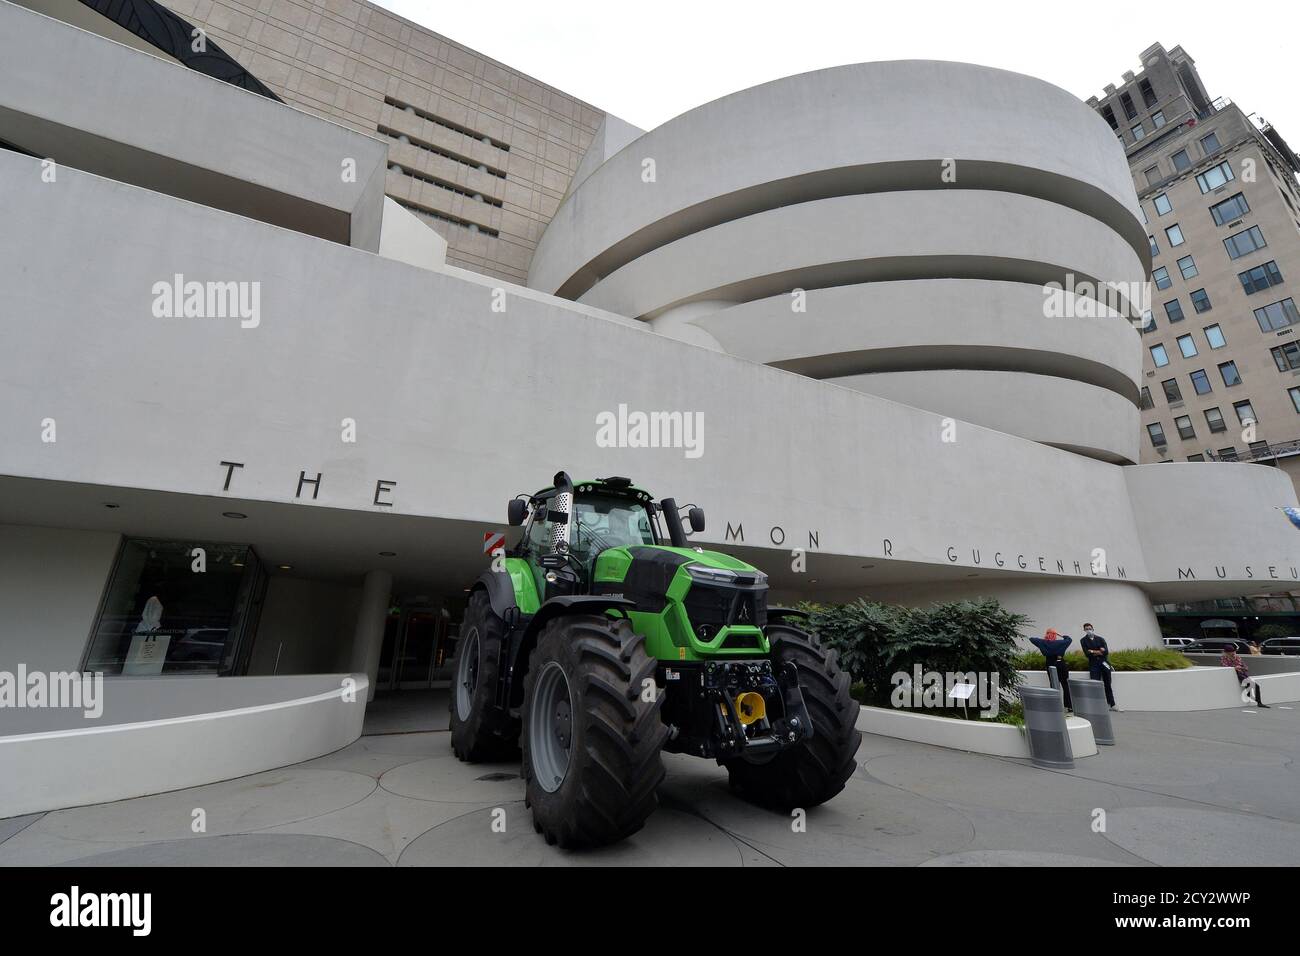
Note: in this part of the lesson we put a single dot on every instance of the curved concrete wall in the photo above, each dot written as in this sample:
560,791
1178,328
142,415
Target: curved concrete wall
416,358
968,233
930,324
1195,688
209,730
866,127
1072,415
921,243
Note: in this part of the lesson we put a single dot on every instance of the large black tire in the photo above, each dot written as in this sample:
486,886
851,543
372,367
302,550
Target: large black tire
480,730
810,774
611,737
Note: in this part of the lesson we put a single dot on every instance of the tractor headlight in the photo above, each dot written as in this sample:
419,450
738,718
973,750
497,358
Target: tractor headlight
706,575
699,572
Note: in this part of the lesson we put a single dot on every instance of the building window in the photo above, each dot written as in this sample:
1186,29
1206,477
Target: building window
1148,323
1245,413
1174,310
1196,458
1277,315
1155,250
1181,160
1214,335
1172,394
1215,176
1138,131
1228,454
1201,301
1159,356
1230,375
1161,277
1146,399
1260,277
1214,418
1286,357
1174,234
1184,425
1152,173
1210,144
1148,94
1162,204
1245,242
159,617
1187,345
1200,382
1234,207
1126,101
1157,434
1158,119
1294,392
1187,266
1109,115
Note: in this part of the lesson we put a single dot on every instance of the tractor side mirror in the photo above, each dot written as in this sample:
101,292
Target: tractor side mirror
517,511
696,518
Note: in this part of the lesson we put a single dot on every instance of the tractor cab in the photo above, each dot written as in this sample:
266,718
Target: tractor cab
569,526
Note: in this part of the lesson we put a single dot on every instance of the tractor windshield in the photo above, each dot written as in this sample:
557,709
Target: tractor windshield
608,521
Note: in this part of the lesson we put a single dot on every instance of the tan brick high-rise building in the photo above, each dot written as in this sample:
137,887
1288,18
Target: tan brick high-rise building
1219,195
482,151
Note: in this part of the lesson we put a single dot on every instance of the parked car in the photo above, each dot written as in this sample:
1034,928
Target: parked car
1281,645
1177,643
1215,645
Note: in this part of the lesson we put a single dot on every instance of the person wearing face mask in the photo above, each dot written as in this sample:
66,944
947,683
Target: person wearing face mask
1095,650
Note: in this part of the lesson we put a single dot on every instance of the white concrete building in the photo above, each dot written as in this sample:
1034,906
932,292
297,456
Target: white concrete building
219,343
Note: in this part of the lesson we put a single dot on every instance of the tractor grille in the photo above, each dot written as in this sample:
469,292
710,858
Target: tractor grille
712,606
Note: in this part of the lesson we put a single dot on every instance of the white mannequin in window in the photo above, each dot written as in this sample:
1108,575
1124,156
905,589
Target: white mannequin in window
151,618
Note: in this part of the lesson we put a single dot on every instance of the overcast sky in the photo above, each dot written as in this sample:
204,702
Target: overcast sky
649,61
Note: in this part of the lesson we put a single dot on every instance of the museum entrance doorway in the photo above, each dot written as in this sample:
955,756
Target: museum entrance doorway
417,645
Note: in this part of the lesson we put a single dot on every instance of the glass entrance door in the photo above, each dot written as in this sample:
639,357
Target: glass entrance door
415,647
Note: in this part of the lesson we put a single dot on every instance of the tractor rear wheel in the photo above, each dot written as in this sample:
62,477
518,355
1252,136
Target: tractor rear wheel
592,733
480,730
817,770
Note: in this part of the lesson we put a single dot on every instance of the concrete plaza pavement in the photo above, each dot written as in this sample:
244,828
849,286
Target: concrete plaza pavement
1203,788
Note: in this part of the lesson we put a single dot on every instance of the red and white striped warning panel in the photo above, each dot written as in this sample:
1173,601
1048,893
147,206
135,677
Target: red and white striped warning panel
493,541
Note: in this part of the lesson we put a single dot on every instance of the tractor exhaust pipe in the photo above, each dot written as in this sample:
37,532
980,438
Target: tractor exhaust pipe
676,533
560,509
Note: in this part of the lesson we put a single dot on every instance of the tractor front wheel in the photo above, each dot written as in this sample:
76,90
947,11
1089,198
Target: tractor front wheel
480,730
592,733
817,770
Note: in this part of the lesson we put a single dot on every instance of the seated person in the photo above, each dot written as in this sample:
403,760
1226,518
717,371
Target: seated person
1231,659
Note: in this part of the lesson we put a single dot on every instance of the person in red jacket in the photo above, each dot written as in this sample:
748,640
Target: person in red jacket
1232,659
1053,646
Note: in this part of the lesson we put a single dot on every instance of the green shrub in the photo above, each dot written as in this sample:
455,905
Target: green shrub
1271,630
876,641
1137,659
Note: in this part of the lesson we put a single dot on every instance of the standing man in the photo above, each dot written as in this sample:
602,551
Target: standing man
1098,655
1053,647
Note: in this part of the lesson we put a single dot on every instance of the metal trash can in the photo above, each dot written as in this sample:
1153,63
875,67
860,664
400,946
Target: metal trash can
1049,739
1089,699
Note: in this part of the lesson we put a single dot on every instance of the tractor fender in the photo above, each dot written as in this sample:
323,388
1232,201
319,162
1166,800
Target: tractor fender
777,615
560,606
500,592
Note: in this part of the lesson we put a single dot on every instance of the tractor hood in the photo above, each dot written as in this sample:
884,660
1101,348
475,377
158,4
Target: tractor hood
653,568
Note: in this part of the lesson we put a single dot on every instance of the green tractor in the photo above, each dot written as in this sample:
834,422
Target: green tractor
596,647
